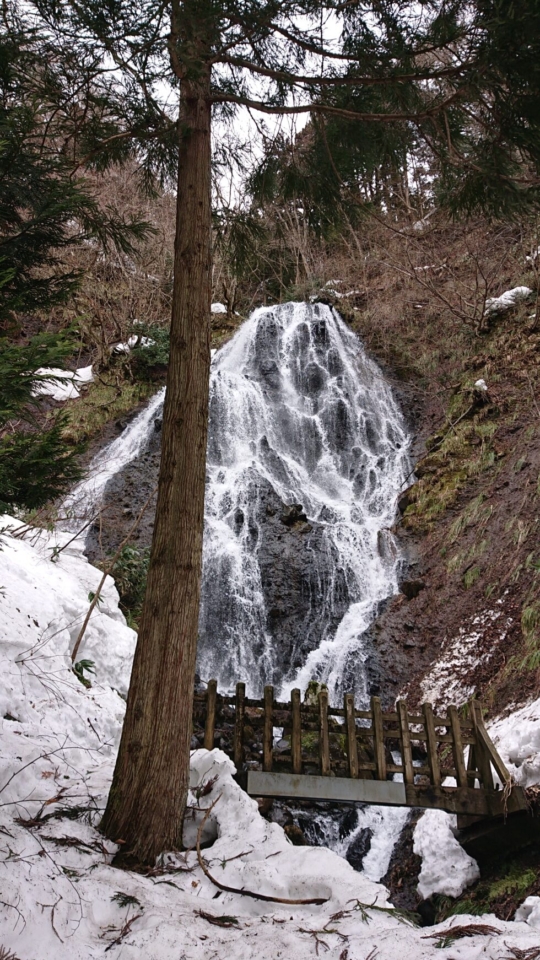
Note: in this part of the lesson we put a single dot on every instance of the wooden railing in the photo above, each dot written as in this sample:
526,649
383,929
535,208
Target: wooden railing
370,747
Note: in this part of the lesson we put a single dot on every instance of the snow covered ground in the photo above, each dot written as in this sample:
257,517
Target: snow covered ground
60,898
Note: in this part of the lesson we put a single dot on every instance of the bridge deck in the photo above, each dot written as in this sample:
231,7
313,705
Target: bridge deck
348,755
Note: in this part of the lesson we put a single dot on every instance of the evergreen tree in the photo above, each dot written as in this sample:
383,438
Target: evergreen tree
44,211
387,63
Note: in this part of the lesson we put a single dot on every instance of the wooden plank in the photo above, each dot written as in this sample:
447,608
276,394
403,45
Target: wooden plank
457,748
324,744
337,789
452,799
210,725
240,708
268,729
352,748
484,738
296,734
431,744
378,738
481,754
405,737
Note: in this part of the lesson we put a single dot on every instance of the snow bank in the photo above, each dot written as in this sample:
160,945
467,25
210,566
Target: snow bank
61,897
517,738
510,298
446,868
63,384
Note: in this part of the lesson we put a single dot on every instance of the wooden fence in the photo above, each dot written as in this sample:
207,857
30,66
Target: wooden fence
341,753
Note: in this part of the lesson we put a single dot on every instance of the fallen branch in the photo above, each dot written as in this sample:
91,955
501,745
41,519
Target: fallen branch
242,892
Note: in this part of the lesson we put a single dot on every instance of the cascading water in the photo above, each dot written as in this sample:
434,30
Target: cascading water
307,452
298,409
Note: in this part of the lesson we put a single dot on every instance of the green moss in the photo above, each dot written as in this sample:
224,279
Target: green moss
515,881
470,577
106,399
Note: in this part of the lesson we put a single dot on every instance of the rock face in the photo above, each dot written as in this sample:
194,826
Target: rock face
359,847
299,594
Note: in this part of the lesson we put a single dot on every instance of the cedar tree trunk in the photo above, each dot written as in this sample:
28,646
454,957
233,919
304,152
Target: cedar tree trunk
147,800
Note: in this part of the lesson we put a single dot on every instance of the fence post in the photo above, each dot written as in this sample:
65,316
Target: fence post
481,754
431,744
209,727
457,748
268,730
406,748
378,738
324,745
350,723
239,725
296,732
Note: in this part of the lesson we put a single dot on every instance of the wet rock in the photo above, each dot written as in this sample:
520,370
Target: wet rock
293,514
405,499
295,835
358,849
348,822
411,588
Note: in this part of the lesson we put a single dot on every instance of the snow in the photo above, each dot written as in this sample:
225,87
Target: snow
60,893
446,868
133,341
517,738
498,305
530,912
61,384
450,679
218,308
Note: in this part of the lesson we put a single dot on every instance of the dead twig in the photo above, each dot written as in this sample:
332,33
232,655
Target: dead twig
225,921
446,937
123,932
244,893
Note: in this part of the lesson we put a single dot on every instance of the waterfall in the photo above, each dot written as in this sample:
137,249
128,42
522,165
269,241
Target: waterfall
298,413
307,451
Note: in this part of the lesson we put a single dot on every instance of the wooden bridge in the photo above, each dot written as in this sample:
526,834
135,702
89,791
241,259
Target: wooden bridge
349,755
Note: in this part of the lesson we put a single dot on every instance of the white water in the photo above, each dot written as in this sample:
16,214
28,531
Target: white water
296,407
85,498
296,404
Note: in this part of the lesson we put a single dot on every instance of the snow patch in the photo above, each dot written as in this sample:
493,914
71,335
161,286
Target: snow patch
498,305
61,384
449,680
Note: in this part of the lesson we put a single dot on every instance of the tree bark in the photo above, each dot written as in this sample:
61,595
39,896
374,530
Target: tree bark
147,800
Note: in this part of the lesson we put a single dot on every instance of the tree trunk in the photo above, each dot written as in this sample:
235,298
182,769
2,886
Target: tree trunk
147,800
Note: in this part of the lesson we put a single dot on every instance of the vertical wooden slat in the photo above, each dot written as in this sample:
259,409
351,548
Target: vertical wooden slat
350,724
457,748
431,745
239,725
296,733
378,738
268,730
210,725
481,754
324,743
405,735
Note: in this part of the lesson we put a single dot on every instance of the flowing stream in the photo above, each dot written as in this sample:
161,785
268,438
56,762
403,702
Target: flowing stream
307,452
